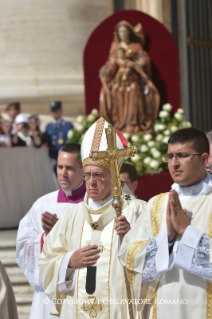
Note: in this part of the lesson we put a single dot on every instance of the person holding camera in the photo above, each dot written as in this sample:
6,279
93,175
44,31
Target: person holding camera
34,129
22,136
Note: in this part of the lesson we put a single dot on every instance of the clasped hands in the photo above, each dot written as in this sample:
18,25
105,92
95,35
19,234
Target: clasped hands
176,218
90,254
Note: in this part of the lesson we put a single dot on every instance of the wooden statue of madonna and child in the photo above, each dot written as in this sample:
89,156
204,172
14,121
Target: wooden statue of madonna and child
128,100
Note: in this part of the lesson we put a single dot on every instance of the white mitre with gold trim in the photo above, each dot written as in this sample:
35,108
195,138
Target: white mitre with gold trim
95,140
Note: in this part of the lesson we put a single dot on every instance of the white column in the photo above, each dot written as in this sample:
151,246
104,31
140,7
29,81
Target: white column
158,9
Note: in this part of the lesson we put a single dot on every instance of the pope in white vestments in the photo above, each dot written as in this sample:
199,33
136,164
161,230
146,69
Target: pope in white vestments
88,235
31,234
168,253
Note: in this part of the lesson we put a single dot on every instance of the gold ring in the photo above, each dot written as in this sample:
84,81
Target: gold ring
85,259
175,207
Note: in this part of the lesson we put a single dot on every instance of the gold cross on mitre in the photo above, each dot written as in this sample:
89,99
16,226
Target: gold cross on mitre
113,154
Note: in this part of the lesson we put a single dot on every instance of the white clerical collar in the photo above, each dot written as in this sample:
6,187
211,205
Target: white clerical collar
96,205
204,187
69,193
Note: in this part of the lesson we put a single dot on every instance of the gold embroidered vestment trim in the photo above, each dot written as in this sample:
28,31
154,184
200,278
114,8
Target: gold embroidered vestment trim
155,223
95,146
132,252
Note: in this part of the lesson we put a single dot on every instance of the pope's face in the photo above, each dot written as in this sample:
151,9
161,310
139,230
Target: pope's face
187,171
69,171
98,189
123,33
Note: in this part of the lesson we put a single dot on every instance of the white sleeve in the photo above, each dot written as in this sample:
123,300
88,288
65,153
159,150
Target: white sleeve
187,246
28,248
158,260
201,265
66,275
195,246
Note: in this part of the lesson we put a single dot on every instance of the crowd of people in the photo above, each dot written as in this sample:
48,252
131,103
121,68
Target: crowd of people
20,130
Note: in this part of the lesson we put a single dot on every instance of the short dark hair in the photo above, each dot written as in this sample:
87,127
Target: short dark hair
198,138
72,148
127,168
16,106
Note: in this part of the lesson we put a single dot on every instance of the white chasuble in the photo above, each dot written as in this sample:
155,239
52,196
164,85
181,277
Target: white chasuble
176,285
100,299
72,232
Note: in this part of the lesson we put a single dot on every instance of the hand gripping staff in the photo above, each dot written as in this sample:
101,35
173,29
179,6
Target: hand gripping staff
113,154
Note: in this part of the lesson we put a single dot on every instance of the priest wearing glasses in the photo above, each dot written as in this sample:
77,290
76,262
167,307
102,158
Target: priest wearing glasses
79,264
172,263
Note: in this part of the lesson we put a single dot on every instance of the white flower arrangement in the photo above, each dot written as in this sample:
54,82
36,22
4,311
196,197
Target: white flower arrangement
173,128
159,137
156,154
161,127
147,137
163,114
154,164
135,138
167,107
153,150
167,133
91,118
180,111
165,139
186,124
144,148
178,116
150,147
81,125
70,134
136,158
80,119
151,143
157,127
95,112
147,160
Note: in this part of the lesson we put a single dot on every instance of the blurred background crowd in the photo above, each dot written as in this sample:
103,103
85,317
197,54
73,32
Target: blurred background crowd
18,129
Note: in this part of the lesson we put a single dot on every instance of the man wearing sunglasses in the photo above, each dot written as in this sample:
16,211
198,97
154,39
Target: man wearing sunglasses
79,264
172,266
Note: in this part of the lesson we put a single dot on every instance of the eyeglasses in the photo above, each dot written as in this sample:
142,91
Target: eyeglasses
96,176
178,156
